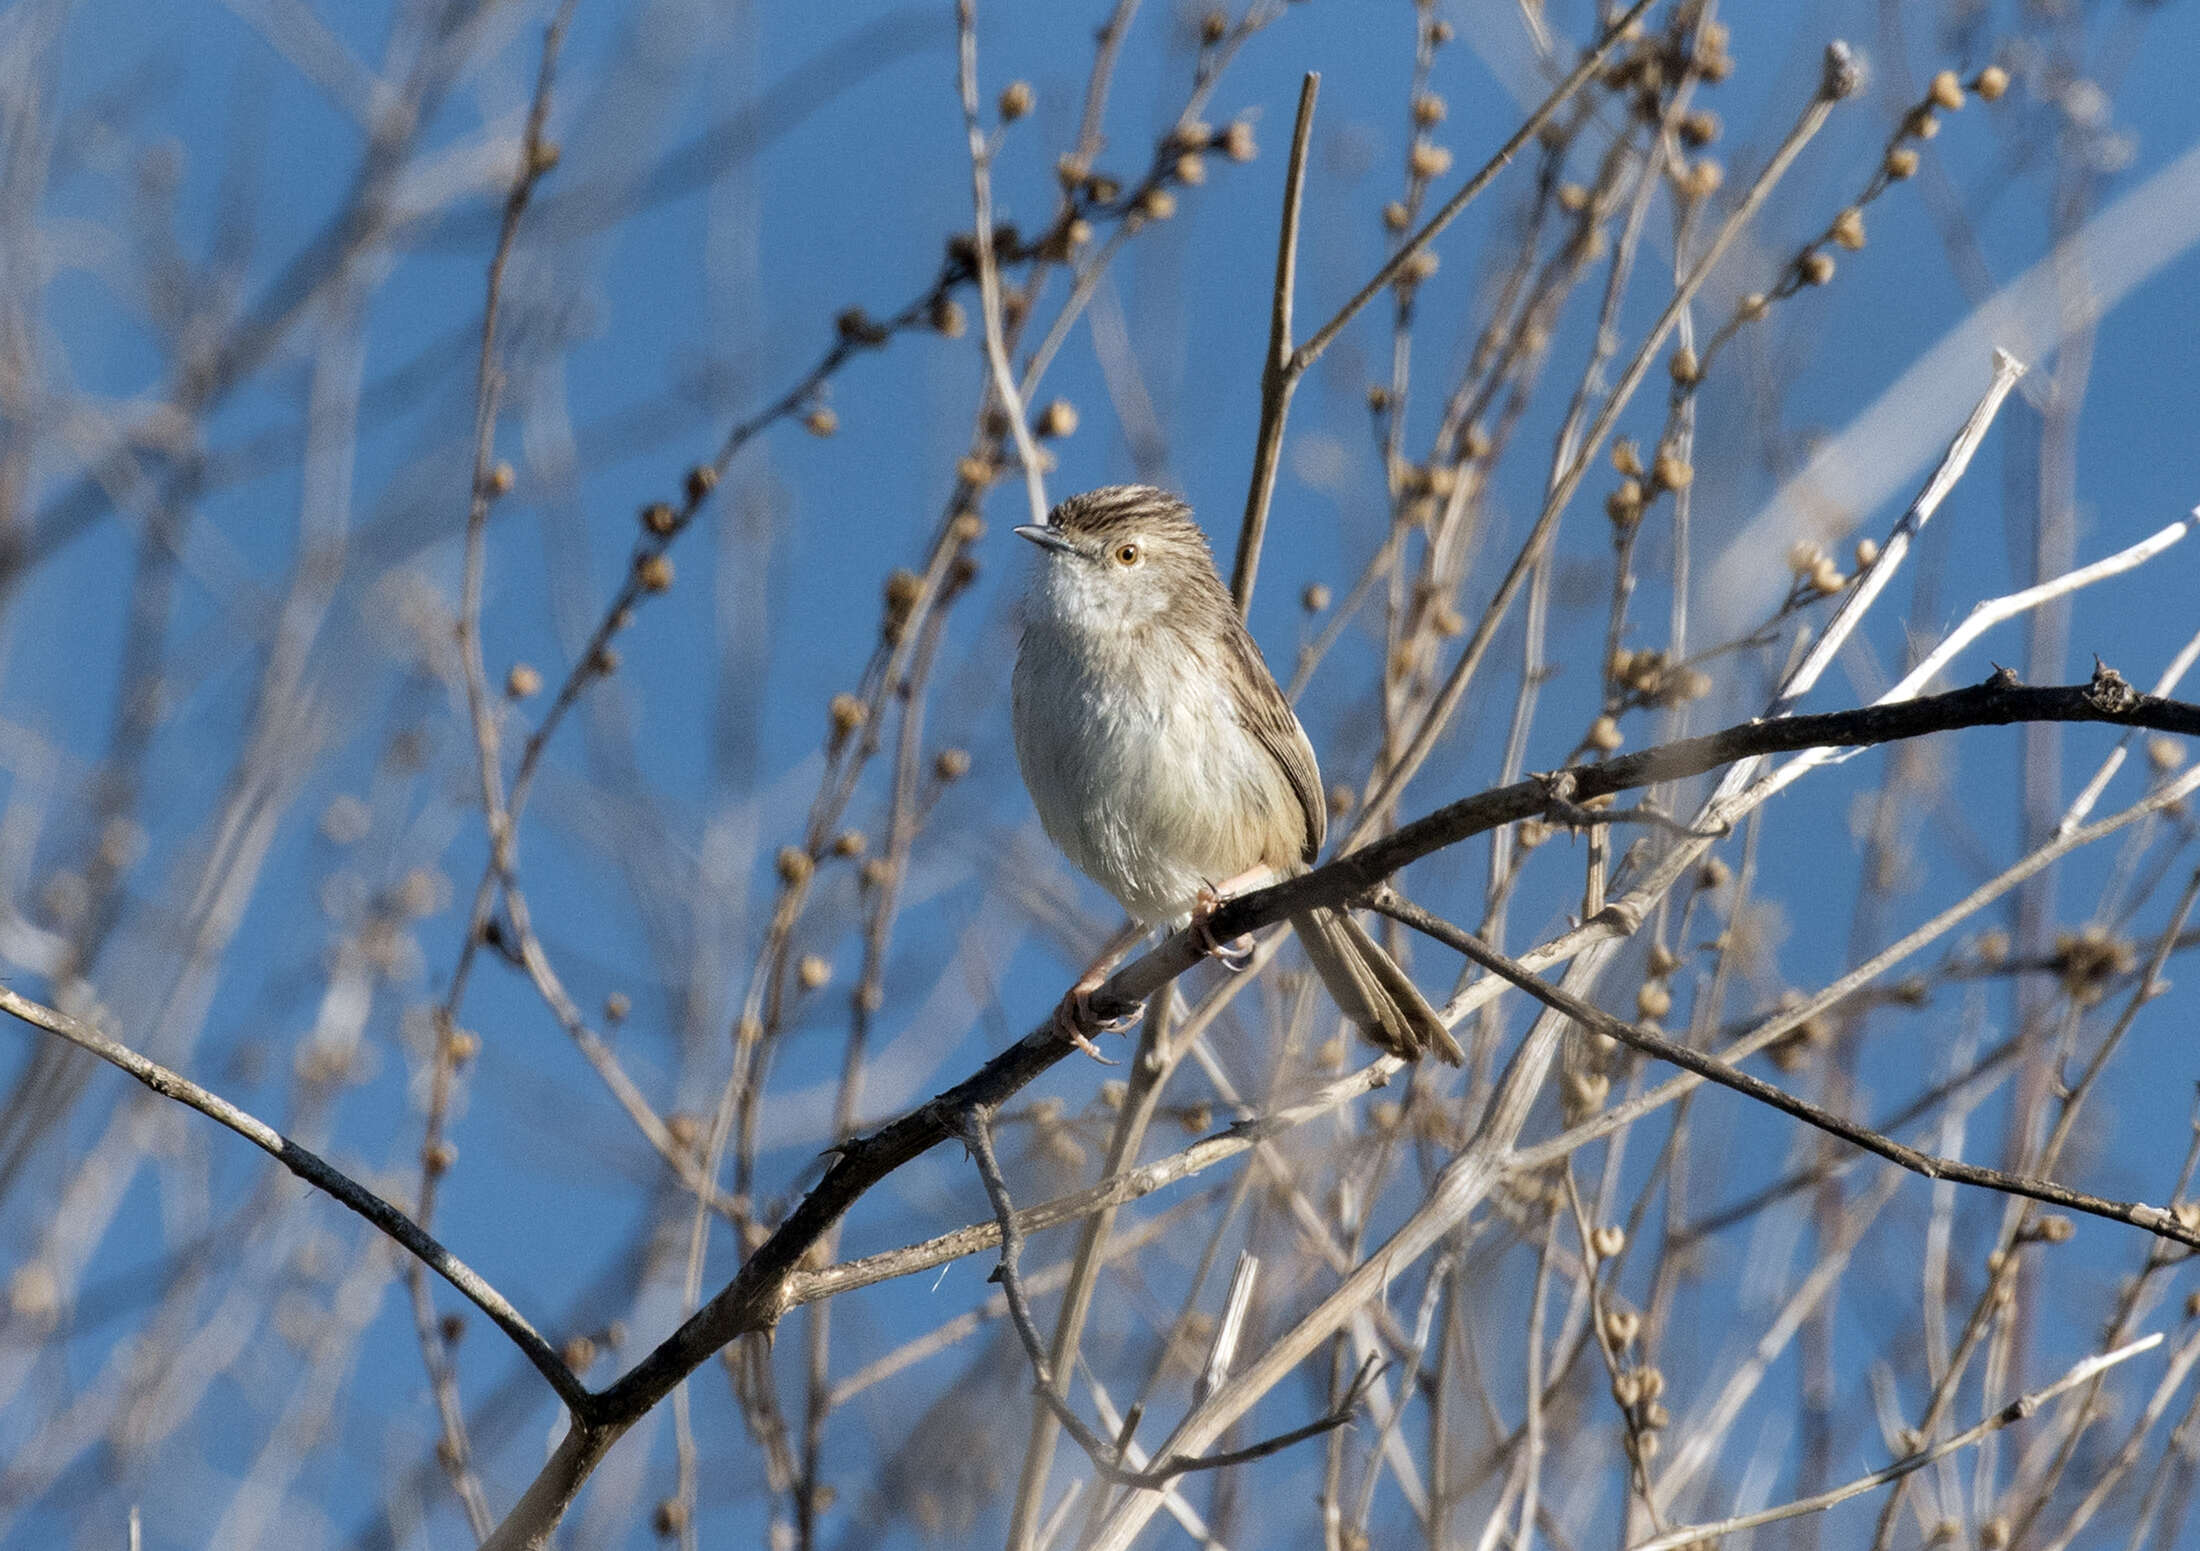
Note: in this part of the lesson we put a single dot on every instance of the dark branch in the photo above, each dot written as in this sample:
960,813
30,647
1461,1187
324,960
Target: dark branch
2153,1219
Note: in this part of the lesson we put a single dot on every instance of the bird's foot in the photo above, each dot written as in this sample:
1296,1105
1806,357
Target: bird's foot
1233,954
1076,1020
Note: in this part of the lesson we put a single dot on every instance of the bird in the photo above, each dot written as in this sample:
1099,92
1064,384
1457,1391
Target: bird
1162,757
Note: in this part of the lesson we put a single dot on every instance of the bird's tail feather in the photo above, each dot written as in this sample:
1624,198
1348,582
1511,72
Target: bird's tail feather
1370,989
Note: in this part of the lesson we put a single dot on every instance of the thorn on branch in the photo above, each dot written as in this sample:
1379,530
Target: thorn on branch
2109,691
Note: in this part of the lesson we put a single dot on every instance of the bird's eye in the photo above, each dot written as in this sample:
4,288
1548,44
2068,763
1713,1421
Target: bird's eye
1126,554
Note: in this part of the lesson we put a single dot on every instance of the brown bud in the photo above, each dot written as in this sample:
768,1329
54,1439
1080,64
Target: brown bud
437,1158
794,865
1059,418
1624,504
604,662
946,317
1237,142
616,1006
500,480
858,327
523,680
847,714
1157,204
1191,169
1991,83
1017,99
849,842
1604,734
1626,459
660,519
1901,163
1815,268
966,528
821,421
1214,27
1428,160
1848,228
1428,110
1315,598
1946,92
1672,472
1192,135
1683,366
1654,1000
654,572
951,764
813,972
701,481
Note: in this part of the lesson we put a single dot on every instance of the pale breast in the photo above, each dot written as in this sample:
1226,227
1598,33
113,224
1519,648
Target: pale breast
1152,785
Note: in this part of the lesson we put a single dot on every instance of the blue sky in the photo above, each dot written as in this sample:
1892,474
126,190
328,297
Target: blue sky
637,341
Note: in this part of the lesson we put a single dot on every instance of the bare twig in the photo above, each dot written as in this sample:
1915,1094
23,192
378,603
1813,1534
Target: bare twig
976,1132
2018,1410
321,1174
1278,378
2154,1219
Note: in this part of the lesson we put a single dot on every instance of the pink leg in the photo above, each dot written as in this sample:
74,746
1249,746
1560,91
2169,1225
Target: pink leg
1234,953
1074,1017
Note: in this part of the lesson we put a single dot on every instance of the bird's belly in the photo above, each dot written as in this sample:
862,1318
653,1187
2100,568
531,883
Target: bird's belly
1152,788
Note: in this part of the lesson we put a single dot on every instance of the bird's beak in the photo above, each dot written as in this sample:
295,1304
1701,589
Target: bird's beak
1046,536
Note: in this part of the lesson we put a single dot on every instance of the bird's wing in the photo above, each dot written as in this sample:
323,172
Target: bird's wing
1268,717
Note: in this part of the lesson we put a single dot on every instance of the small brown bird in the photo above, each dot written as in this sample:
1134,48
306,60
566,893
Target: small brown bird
1162,757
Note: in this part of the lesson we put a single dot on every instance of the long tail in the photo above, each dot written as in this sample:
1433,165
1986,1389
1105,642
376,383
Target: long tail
1370,988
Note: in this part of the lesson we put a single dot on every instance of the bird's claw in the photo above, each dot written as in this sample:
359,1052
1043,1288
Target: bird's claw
1076,1021
1234,954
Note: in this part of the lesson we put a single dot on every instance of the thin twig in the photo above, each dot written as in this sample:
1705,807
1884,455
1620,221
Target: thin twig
322,1175
976,1132
1277,375
989,273
2154,1219
2017,1410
